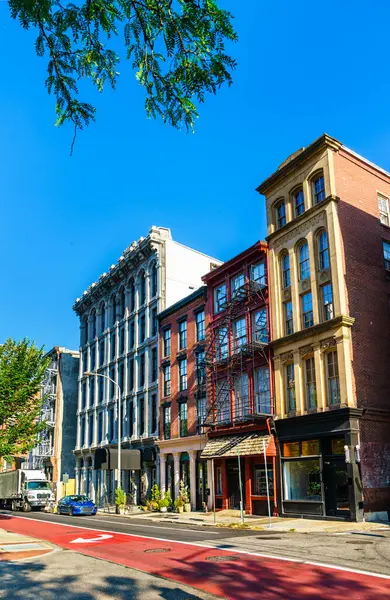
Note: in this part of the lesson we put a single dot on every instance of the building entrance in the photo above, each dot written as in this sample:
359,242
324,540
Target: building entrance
335,481
233,482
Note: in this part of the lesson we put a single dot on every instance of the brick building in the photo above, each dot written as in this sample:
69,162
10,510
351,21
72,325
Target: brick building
329,265
240,394
182,338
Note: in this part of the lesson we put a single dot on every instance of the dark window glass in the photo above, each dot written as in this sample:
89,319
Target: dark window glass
92,391
299,203
290,384
101,353
183,417
141,417
113,345
100,428
201,368
142,289
112,386
288,316
90,430
142,370
311,391
182,374
167,380
201,412
131,418
102,318
82,431
114,311
130,374
182,334
260,481
286,273
142,329
304,262
327,299
154,321
386,254
167,422
323,251
100,389
333,378
167,342
121,376
93,326
220,298
200,326
154,281
318,189
132,296
131,335
307,310
121,340
84,394
280,215
93,357
154,413
153,370
111,425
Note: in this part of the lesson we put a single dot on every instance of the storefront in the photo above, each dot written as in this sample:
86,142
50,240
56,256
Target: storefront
320,465
248,459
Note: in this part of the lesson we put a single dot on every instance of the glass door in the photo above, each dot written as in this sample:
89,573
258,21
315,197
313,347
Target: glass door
335,480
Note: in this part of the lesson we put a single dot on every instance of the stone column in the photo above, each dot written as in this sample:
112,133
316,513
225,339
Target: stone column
193,489
210,485
76,474
162,472
176,473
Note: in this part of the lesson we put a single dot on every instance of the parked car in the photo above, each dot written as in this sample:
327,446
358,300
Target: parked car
76,505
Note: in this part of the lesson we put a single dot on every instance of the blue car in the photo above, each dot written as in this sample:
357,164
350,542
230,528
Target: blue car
76,505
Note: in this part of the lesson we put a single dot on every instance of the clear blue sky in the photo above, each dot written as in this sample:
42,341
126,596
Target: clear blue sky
303,68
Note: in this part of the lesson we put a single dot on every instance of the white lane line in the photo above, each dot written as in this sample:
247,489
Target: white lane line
216,547
158,527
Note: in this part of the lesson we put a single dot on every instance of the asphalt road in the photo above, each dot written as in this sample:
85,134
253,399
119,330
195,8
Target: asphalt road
365,551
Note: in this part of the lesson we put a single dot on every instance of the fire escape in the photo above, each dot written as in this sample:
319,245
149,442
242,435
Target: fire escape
45,446
229,356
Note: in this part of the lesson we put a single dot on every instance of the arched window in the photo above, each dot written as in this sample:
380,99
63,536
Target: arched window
318,188
323,251
93,324
286,273
131,295
304,261
280,209
153,281
142,288
299,202
84,330
121,304
114,309
102,317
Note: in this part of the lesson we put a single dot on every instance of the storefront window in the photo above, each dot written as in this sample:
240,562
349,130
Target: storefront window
291,449
310,448
260,483
338,446
302,479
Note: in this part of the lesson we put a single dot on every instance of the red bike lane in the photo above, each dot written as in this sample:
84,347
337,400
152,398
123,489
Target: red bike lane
229,574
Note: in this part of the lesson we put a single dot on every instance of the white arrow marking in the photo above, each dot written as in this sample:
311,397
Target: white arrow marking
100,538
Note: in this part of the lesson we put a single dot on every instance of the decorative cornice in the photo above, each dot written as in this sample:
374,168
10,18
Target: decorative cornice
341,321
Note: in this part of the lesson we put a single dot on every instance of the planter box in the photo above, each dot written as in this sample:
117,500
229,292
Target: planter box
180,509
120,510
163,508
187,507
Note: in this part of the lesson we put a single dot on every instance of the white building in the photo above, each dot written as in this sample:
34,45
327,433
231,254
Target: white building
119,339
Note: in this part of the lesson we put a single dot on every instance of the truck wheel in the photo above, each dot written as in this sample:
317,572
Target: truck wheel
14,506
26,506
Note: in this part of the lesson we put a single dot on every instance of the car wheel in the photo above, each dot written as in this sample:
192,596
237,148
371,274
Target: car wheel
26,507
70,512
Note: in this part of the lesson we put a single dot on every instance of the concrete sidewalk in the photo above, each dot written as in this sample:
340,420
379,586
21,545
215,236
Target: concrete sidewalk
232,519
14,546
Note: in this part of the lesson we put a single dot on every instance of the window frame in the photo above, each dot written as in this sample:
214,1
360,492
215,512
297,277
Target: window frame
298,193
285,270
316,193
288,322
166,342
167,380
334,377
386,254
310,383
182,333
304,270
307,321
183,374
220,300
291,398
281,217
327,313
200,325
183,419
323,252
383,213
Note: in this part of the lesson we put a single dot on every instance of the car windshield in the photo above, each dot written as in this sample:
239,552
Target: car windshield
38,485
79,498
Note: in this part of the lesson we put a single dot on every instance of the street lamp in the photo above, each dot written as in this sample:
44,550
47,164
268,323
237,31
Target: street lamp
119,396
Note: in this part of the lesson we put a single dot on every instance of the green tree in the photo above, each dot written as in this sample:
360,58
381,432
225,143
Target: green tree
22,368
176,47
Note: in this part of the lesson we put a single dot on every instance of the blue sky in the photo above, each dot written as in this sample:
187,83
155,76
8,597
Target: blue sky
303,68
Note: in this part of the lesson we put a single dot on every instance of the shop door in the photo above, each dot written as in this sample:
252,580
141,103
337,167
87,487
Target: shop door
201,484
233,481
336,487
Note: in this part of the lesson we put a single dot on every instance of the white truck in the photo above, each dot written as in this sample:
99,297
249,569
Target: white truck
25,489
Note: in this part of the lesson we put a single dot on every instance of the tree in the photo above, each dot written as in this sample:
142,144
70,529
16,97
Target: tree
177,48
22,368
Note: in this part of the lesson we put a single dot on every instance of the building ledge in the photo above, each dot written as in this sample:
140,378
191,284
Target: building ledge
303,334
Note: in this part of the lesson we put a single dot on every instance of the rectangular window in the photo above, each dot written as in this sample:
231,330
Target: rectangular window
223,401
318,189
92,391
141,417
307,310
239,334
167,422
220,298
281,215
113,345
286,272
130,417
100,428
130,374
310,376
112,386
291,449
167,380
90,431
82,431
241,396
386,254
237,285
142,329
310,447
154,321
200,326
93,357
201,412
304,262
290,387
131,335
182,374
183,418
141,370
288,318
258,274
333,378
222,344
327,301
260,481
200,358
182,335
218,481
111,424
154,413
260,329
84,394
167,342
383,205
262,391
121,340
299,202
153,370
121,376
100,389
302,479
101,353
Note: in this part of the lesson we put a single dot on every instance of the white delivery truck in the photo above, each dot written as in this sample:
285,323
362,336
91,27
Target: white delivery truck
25,489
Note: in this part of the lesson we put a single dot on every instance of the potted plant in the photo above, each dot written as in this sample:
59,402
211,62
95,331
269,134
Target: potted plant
120,501
179,504
153,506
185,496
156,494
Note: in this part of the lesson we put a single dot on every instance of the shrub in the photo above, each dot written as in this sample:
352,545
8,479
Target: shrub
179,502
120,497
156,495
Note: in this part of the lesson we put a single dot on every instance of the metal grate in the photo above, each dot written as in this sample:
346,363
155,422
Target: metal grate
222,558
157,550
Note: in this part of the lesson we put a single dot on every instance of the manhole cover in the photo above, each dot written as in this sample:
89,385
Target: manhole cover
222,558
156,550
269,537
358,542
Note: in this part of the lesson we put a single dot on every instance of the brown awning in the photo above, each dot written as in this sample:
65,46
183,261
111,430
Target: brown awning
233,445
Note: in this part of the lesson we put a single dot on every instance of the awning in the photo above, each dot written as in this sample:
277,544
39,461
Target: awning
107,458
233,445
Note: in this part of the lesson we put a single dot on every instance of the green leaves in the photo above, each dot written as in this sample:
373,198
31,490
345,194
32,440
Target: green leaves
22,367
176,48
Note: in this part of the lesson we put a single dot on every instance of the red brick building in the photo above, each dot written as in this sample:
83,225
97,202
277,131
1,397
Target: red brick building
329,273
182,384
240,384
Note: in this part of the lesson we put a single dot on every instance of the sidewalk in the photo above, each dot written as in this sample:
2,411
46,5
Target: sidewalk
14,546
232,519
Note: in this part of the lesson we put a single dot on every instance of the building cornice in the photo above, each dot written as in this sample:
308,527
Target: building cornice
305,334
182,443
302,156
